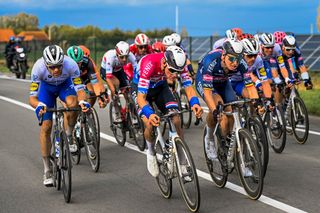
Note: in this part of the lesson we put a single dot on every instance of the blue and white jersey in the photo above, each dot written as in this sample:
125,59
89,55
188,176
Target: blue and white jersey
40,73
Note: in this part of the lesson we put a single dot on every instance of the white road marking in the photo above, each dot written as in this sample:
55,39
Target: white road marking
264,199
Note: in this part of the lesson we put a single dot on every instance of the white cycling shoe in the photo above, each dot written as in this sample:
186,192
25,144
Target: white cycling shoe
210,148
73,148
185,173
247,172
47,179
152,165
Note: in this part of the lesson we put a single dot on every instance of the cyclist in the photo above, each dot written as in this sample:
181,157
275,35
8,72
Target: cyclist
158,47
230,34
141,46
168,41
151,86
213,85
55,75
89,76
294,61
9,52
112,71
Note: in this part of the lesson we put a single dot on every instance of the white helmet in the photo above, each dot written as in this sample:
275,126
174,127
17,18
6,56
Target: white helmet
250,46
267,39
177,38
232,47
230,34
122,48
176,58
169,41
53,55
289,42
141,39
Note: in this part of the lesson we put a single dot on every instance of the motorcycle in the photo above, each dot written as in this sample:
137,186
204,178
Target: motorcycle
20,66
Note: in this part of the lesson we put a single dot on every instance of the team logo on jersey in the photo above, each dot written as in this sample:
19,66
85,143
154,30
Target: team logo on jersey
262,72
34,86
77,81
34,77
280,59
49,76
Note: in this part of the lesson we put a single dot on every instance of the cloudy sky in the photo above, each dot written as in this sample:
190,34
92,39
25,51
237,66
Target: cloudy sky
199,17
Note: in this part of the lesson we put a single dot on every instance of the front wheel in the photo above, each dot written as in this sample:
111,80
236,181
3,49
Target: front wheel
299,120
185,105
65,168
248,165
187,175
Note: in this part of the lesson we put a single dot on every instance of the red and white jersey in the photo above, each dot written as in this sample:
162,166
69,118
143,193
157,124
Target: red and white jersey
134,50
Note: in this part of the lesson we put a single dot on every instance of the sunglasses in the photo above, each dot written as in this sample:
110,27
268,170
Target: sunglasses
172,71
289,49
142,47
123,56
233,58
252,56
52,67
268,47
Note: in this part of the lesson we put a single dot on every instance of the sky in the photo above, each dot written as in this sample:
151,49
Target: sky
198,17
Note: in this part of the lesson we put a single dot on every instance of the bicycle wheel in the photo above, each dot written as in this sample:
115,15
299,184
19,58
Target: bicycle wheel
188,179
65,167
248,158
55,165
164,180
257,132
139,134
177,98
117,129
276,129
216,169
299,120
185,105
91,141
77,139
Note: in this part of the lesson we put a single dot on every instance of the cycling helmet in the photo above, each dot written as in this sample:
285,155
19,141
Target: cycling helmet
289,42
238,31
168,41
76,53
290,33
141,39
231,34
158,47
176,58
245,35
232,47
12,38
250,46
53,55
177,38
85,50
122,48
279,35
267,39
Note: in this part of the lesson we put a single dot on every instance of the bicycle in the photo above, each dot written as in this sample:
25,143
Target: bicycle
296,114
175,160
127,112
241,150
87,134
60,155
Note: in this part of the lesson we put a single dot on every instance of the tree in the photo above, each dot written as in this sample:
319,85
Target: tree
20,22
184,32
318,19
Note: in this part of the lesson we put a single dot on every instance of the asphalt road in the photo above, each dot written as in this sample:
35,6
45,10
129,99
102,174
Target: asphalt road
123,183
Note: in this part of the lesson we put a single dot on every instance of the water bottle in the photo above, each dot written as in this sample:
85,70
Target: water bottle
57,145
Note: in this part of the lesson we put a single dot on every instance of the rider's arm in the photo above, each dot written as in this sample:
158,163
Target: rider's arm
77,82
95,78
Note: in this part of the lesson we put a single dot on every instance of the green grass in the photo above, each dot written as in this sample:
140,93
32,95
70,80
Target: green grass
312,100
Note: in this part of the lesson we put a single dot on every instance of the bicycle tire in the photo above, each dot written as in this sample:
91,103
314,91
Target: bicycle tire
302,110
76,157
177,98
139,130
192,198
66,166
91,141
164,181
219,175
185,105
257,174
276,135
121,136
256,129
56,168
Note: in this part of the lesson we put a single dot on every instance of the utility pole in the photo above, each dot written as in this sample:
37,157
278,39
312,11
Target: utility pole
311,29
177,19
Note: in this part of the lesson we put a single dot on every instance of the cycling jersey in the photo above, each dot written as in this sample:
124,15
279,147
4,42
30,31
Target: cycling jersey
40,74
135,52
111,63
88,71
275,59
295,61
150,75
258,69
218,43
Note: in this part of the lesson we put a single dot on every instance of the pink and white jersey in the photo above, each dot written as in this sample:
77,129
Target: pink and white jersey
150,75
111,63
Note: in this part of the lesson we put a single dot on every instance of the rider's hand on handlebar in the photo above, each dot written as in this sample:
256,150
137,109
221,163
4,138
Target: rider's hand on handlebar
197,110
41,109
154,120
85,106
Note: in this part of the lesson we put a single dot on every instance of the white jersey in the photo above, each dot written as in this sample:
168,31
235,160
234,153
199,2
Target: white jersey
258,68
40,73
218,43
111,63
276,55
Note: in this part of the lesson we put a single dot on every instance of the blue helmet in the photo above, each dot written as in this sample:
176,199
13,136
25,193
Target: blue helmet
12,38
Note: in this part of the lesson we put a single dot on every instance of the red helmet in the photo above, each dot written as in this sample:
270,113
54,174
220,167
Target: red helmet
141,39
245,35
238,31
85,50
278,36
158,47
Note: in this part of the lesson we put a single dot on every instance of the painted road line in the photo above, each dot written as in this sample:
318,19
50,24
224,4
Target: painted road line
264,199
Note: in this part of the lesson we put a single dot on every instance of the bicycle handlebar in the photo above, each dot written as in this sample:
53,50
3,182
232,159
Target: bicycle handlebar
60,109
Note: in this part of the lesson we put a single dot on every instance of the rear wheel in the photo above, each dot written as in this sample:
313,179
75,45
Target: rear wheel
185,105
23,69
299,120
117,128
65,168
77,139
